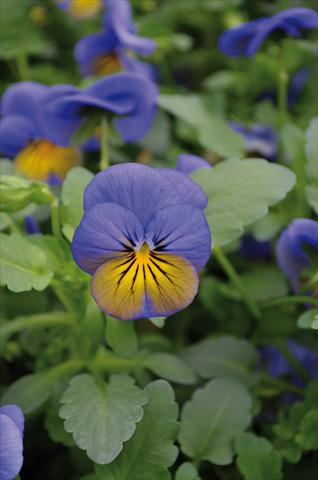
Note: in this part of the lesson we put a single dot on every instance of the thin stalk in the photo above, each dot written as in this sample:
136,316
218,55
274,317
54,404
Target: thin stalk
104,158
35,321
292,360
23,66
282,97
232,274
284,386
289,300
55,219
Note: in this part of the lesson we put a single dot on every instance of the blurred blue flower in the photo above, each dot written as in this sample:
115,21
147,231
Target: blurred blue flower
247,38
259,139
105,52
143,238
188,163
127,95
23,136
277,365
295,88
11,441
31,225
80,9
292,252
254,249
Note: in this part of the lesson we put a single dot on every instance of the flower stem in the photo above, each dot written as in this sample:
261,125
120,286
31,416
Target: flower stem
232,274
55,219
284,386
23,66
282,97
104,159
295,364
289,300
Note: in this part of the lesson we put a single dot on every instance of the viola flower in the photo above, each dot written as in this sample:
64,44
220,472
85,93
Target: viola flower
80,9
105,52
259,139
23,137
143,238
247,38
11,441
127,95
188,163
296,246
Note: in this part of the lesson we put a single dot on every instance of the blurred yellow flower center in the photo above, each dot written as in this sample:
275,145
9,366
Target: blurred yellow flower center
84,8
40,159
106,64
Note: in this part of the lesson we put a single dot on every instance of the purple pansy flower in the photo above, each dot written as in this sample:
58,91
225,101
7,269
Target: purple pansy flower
11,441
23,136
130,97
105,52
188,163
291,254
247,38
259,139
143,238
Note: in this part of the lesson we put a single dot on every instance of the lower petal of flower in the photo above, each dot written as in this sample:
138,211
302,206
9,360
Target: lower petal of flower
42,159
144,283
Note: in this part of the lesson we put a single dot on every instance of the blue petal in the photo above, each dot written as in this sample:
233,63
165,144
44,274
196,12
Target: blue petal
136,187
290,254
23,98
189,192
15,413
11,448
188,163
91,46
133,65
181,230
15,133
236,41
299,17
106,231
258,138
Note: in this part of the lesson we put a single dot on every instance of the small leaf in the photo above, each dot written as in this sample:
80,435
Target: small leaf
187,471
23,266
307,437
102,417
257,459
159,322
121,336
264,282
149,453
240,192
309,319
171,368
223,357
213,132
72,199
29,392
212,418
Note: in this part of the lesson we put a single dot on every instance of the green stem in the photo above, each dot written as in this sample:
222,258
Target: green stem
296,365
106,360
284,386
55,219
63,298
35,321
234,277
282,96
289,300
23,66
104,158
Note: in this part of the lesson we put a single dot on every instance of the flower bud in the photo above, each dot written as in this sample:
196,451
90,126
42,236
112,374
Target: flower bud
17,193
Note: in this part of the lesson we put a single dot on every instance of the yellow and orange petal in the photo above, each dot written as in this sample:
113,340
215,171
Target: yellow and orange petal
144,283
41,159
81,9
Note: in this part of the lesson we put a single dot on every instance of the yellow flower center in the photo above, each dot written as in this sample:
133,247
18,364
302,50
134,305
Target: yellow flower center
40,159
84,8
106,64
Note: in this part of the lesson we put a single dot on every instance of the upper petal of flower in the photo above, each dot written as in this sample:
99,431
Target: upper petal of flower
181,230
137,187
106,231
91,46
15,132
188,163
291,257
299,17
11,448
23,98
16,414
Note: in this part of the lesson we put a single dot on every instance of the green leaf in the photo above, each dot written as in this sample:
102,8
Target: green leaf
212,418
264,282
171,368
102,417
22,266
72,199
213,132
223,357
55,428
256,458
307,437
187,471
121,336
240,192
311,149
309,319
149,453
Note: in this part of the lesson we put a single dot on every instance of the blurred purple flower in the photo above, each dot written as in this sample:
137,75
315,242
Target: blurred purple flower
127,95
31,225
188,163
295,88
11,441
259,139
291,254
247,38
80,9
254,249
